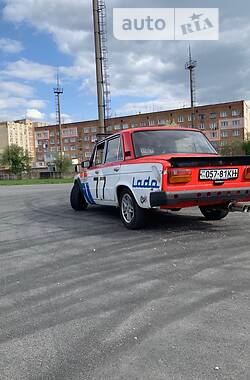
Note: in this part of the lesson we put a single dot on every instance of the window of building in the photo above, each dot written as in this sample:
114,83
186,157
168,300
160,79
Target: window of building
236,133
134,125
223,143
73,147
125,126
86,138
151,122
143,124
86,130
88,154
73,156
117,127
67,132
93,138
52,134
109,128
72,139
189,118
213,126
236,122
161,122
180,119
66,140
202,116
213,115
93,129
213,135
223,114
224,134
224,123
235,112
114,151
86,146
65,148
201,126
52,141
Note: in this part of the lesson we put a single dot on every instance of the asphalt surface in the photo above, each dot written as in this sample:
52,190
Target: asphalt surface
84,298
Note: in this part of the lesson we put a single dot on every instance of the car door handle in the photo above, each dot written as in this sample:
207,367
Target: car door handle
97,172
116,169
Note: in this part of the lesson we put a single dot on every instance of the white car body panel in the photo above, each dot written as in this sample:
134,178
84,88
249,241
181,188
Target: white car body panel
101,184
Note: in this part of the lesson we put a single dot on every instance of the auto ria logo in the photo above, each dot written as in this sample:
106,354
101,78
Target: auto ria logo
166,23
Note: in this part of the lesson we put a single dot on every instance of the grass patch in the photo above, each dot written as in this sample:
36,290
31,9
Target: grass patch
35,181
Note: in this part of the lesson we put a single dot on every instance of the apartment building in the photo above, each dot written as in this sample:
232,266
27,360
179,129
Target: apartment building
222,123
19,132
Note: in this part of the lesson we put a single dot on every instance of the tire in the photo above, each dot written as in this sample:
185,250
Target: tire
214,212
136,217
77,200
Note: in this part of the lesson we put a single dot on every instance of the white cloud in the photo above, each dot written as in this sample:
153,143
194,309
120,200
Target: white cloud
157,104
16,89
15,98
8,45
64,116
34,114
28,70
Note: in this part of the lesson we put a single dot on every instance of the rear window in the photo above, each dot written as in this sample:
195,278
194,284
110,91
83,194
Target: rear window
150,143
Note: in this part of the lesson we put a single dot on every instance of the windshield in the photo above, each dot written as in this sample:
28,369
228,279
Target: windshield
150,143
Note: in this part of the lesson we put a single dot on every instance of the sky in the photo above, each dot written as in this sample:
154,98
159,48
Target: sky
40,37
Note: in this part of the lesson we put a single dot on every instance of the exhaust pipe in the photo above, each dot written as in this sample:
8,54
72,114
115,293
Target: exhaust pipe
238,207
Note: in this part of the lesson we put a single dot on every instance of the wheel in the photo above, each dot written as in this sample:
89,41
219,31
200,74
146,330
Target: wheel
214,212
77,200
132,216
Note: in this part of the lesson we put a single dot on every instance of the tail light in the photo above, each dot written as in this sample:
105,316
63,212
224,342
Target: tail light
247,173
179,175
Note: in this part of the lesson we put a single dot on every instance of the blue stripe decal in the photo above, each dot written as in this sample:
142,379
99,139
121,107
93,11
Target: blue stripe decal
85,193
84,186
89,194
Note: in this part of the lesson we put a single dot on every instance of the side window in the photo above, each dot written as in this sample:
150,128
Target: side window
99,153
114,150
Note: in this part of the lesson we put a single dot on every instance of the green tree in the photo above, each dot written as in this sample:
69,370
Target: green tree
246,147
16,159
234,149
63,164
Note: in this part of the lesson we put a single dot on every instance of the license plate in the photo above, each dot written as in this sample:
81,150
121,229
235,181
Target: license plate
218,174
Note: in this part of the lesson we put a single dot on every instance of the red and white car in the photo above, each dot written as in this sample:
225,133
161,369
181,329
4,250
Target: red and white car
161,167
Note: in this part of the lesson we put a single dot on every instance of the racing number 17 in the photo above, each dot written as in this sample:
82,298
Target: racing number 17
102,182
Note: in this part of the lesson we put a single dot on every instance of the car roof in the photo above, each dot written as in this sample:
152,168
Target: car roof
142,129
160,128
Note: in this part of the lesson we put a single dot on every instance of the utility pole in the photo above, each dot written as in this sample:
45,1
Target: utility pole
58,91
99,68
191,65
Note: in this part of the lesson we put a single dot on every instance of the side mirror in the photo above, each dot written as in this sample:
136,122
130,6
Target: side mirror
85,164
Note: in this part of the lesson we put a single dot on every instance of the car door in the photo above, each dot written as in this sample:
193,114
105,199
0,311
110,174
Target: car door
111,167
95,175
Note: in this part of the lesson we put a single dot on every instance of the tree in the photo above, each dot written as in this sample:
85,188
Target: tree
235,148
16,159
246,147
63,164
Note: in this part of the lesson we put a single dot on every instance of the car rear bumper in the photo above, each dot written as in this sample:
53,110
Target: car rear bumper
162,198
